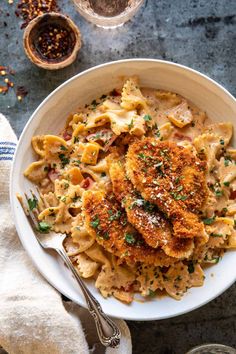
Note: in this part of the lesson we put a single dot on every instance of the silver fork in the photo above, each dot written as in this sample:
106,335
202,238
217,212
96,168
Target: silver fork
108,332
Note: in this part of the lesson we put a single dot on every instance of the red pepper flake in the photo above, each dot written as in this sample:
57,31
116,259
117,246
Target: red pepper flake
54,42
5,71
27,10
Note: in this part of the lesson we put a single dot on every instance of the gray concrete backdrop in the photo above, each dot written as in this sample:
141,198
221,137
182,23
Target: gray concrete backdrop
197,33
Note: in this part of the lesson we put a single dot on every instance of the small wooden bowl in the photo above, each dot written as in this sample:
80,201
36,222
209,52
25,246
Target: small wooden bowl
32,33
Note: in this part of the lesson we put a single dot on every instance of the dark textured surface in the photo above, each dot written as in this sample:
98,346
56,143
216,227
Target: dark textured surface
197,33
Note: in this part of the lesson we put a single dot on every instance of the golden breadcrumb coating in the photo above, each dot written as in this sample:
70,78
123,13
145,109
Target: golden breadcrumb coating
105,220
171,177
144,216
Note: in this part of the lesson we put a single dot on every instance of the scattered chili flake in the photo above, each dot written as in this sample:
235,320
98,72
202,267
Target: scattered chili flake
29,9
5,72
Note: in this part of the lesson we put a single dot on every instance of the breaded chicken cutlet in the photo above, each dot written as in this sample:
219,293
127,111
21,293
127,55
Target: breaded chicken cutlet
144,216
171,177
107,222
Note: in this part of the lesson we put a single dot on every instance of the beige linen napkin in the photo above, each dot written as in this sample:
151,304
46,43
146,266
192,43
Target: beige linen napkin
33,317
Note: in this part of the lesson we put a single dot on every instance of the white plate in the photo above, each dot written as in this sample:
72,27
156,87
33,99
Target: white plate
50,117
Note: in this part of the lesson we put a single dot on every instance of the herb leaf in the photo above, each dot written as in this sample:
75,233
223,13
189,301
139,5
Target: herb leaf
95,222
147,118
130,239
190,267
209,221
44,227
32,203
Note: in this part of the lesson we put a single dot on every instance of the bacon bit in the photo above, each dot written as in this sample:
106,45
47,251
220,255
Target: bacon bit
180,136
87,183
53,175
232,195
67,135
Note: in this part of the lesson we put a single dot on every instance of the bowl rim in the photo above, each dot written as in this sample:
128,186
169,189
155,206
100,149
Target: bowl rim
60,87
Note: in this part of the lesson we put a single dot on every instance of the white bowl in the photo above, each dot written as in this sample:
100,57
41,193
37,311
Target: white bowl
50,117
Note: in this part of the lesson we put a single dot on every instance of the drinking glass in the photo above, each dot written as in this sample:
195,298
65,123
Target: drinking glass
108,13
212,349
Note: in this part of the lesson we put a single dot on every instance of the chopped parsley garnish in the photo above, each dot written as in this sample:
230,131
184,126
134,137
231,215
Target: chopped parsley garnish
142,156
177,196
46,168
130,239
105,236
62,147
114,216
75,198
32,203
66,185
64,159
131,124
222,142
235,224
43,227
147,118
218,193
216,235
209,221
151,292
94,104
190,267
103,97
103,174
76,139
77,162
227,160
95,222
226,184
179,189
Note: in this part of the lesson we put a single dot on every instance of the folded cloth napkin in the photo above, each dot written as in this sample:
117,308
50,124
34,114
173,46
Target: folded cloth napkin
33,317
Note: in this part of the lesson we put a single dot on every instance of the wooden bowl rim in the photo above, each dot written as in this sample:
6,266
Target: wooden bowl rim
44,63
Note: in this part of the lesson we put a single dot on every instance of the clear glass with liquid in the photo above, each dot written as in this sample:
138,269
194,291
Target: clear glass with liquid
108,13
212,349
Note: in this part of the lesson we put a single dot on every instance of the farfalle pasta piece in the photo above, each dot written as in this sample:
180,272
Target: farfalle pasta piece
71,247
80,235
176,280
55,149
37,171
180,115
116,277
227,171
168,99
208,145
38,145
166,130
132,98
196,275
223,130
85,266
67,192
150,279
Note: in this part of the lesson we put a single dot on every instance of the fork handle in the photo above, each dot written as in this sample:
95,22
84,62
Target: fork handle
108,332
